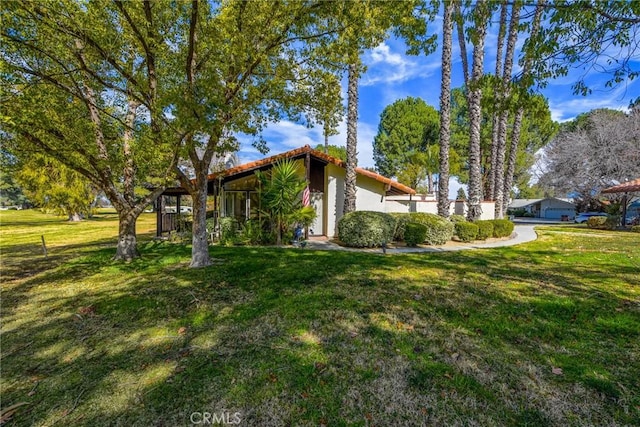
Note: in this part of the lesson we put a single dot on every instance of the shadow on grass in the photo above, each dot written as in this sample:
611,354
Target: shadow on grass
300,337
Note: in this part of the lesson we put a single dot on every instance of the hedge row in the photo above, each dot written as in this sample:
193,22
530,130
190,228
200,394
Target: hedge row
366,229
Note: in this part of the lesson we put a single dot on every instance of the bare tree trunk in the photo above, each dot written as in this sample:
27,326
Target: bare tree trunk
445,110
495,119
475,112
75,217
505,93
326,140
352,140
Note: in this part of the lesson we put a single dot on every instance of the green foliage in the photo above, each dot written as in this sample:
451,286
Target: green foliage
406,143
537,130
466,231
461,195
55,187
635,228
401,222
366,229
280,201
457,218
228,230
336,151
439,230
599,223
502,227
485,229
415,233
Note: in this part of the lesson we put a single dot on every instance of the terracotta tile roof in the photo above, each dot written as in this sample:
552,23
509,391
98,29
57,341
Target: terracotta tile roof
298,152
626,187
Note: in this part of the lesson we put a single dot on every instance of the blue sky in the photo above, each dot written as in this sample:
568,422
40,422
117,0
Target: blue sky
392,75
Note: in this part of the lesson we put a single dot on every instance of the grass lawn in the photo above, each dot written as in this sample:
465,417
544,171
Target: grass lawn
545,333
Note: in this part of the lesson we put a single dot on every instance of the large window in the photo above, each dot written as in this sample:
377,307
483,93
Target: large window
235,205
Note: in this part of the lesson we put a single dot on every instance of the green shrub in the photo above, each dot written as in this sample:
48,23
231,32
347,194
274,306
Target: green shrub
415,233
502,227
402,219
597,222
439,230
228,230
466,231
635,229
485,229
457,218
366,229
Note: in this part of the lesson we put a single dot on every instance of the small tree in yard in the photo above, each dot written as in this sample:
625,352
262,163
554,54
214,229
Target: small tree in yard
280,200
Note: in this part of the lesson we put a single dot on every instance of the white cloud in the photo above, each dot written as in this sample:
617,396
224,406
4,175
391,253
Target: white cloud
385,66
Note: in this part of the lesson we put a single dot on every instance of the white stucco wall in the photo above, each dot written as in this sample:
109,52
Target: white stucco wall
369,196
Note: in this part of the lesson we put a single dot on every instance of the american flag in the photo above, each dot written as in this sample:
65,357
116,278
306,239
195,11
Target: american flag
306,197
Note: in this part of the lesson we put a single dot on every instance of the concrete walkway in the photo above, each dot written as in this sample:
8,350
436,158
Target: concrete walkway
522,233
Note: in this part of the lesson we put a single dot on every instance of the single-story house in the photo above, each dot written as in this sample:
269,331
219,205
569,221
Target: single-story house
235,194
548,208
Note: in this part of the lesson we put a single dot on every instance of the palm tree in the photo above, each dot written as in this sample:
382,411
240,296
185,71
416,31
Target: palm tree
280,194
352,139
445,110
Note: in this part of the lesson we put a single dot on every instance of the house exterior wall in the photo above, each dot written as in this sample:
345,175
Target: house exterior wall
370,196
555,209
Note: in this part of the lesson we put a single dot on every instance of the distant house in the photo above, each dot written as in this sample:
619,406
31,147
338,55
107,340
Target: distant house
548,208
235,194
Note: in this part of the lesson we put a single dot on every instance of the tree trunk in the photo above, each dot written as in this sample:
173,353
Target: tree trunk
326,141
495,119
352,141
475,113
75,216
511,163
445,111
200,243
127,243
504,95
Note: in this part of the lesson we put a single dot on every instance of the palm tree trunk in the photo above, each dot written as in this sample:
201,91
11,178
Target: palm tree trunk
505,92
352,140
445,110
475,112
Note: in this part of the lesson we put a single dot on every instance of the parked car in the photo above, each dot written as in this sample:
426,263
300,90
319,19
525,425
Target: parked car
584,216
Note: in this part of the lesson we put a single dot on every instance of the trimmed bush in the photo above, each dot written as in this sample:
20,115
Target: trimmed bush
635,229
415,233
597,222
502,227
457,218
485,229
402,219
366,229
466,231
439,230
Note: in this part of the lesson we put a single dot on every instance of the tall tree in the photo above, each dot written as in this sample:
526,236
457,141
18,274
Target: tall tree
522,85
502,30
352,138
445,109
406,143
481,14
607,141
503,96
86,84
